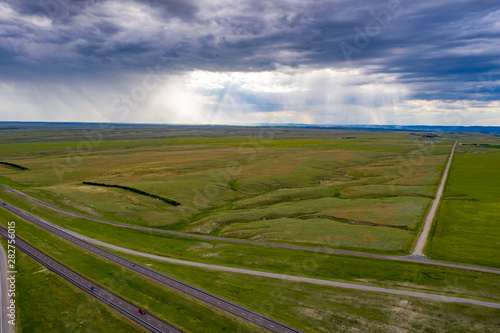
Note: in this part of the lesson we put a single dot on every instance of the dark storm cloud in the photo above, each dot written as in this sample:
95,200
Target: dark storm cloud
454,42
63,10
59,11
184,9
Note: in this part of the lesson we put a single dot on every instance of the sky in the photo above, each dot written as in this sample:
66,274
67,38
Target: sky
338,62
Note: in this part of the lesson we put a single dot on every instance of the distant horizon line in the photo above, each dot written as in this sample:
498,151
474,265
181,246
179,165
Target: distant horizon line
244,124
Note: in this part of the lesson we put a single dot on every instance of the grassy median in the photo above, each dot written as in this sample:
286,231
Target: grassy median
45,302
172,306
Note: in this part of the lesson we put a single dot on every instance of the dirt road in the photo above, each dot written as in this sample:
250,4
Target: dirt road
418,250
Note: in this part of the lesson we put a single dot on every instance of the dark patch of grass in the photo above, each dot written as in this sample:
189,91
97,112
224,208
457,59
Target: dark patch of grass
232,185
354,222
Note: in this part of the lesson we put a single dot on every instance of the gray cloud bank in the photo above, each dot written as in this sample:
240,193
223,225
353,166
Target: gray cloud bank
320,61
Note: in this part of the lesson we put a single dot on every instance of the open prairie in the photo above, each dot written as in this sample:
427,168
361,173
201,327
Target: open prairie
358,190
367,191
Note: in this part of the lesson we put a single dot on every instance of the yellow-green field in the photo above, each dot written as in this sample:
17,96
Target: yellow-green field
304,186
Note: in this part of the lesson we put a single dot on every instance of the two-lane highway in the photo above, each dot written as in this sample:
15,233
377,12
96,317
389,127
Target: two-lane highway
148,321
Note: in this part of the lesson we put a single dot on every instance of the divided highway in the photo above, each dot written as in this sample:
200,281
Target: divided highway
148,321
5,326
213,300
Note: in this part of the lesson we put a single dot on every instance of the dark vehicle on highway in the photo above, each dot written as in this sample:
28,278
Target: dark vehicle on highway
142,311
93,289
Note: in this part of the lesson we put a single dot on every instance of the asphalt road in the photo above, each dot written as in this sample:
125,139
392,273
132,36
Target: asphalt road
85,239
5,327
148,321
422,239
410,258
203,296
296,278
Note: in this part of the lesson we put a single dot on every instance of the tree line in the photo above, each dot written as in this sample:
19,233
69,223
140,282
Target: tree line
131,189
17,166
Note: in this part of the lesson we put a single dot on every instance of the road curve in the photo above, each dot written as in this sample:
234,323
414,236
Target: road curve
281,276
148,321
410,258
296,278
5,326
422,239
246,314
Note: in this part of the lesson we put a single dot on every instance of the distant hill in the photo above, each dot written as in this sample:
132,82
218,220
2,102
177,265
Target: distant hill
12,125
416,128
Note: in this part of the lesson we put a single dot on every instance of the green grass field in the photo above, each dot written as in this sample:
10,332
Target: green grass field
467,228
299,186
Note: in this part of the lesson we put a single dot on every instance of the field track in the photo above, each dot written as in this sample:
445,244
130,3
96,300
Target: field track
422,240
